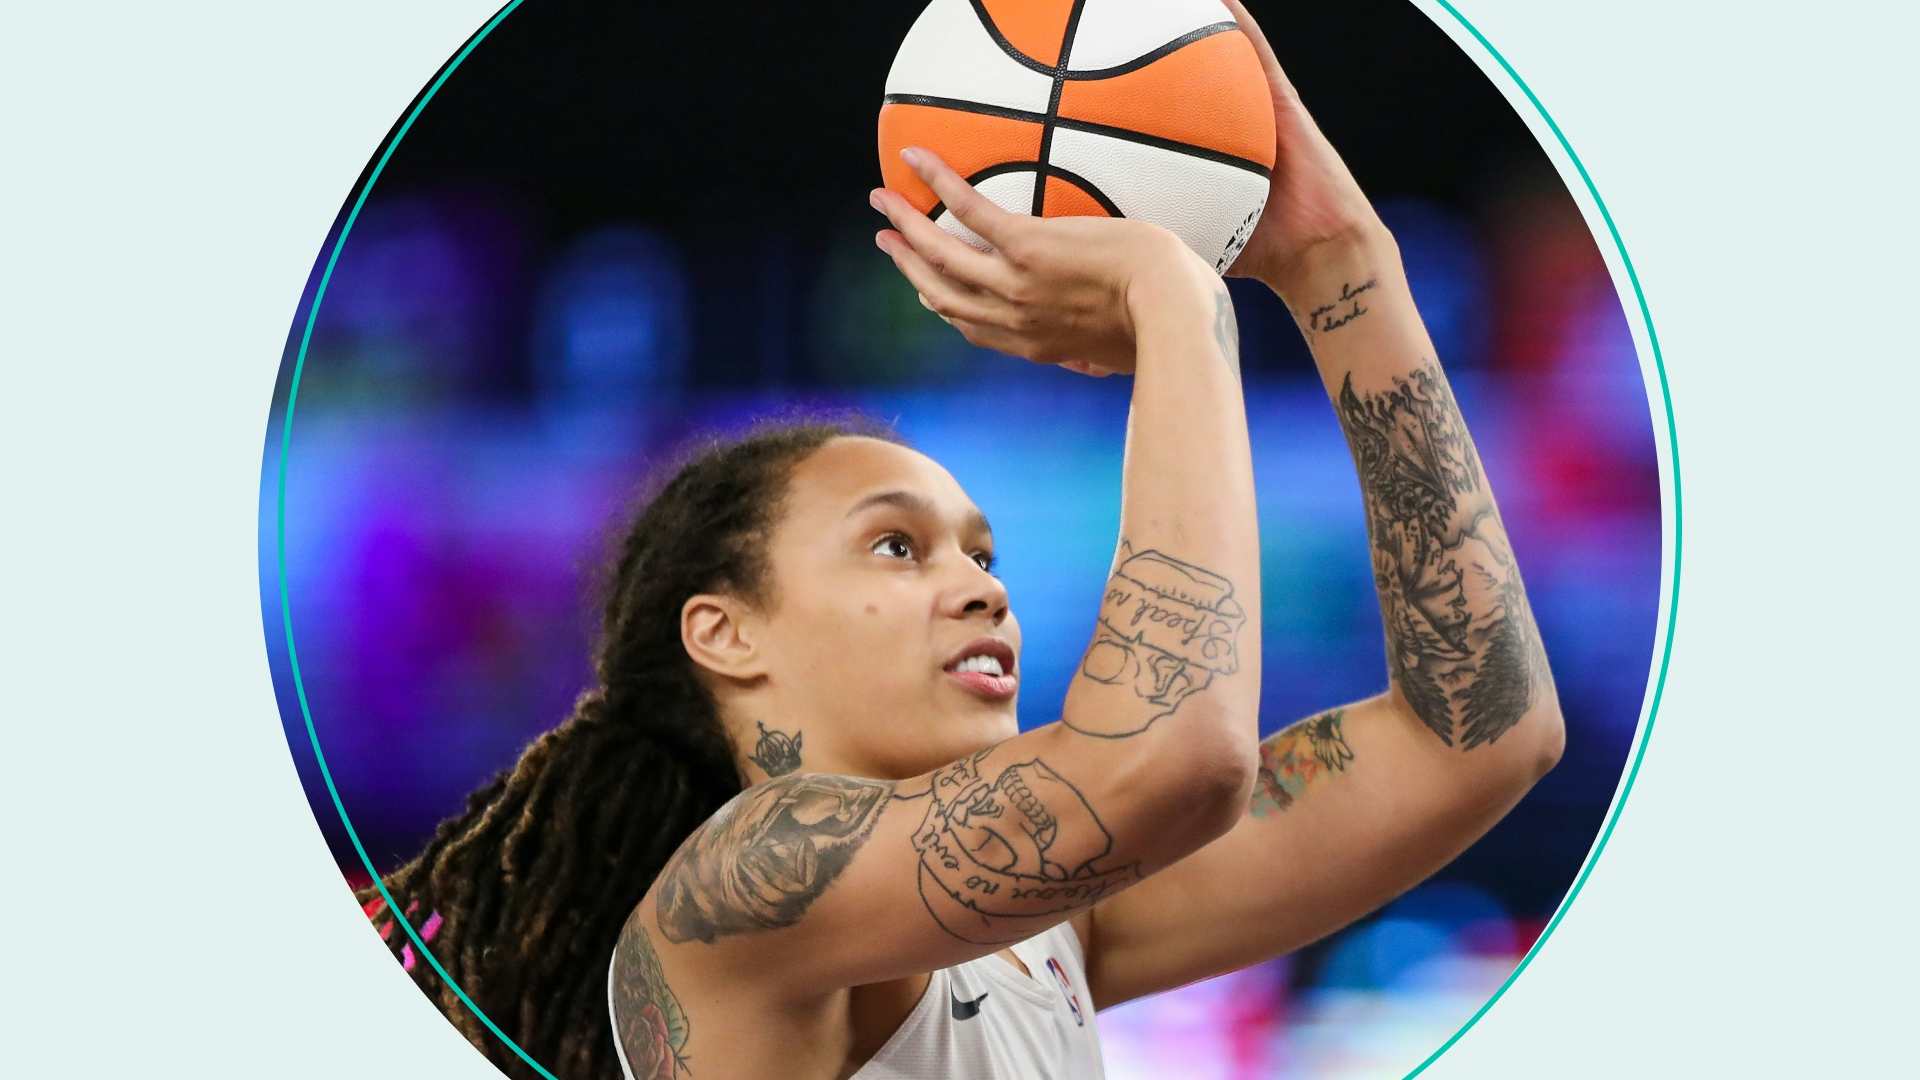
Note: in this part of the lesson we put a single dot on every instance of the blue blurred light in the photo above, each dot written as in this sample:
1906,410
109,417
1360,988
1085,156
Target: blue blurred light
1449,904
611,326
1416,936
1448,276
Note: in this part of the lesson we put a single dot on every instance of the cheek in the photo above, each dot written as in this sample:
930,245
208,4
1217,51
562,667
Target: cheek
868,636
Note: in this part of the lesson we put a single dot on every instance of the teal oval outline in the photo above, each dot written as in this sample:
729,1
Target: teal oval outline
1673,597
306,712
280,526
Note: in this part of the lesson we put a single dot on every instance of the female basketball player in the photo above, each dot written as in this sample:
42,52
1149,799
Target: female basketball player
802,762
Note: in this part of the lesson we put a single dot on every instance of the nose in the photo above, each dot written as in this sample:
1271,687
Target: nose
977,592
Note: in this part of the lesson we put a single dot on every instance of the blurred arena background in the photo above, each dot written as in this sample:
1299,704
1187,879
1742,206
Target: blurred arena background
619,225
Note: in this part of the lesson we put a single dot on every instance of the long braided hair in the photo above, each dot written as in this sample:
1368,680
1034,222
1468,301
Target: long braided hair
521,898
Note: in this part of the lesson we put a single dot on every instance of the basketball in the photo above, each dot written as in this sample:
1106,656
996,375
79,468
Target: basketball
1150,109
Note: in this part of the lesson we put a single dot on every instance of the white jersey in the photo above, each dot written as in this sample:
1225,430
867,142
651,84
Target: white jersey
983,1020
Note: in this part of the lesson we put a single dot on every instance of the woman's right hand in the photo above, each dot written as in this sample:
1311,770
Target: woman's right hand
1064,291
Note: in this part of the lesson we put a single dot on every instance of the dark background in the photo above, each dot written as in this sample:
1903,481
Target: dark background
745,131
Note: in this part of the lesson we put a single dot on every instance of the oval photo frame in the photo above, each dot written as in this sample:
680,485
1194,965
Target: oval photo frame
279,593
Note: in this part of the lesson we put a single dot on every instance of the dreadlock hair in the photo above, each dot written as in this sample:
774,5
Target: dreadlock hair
521,898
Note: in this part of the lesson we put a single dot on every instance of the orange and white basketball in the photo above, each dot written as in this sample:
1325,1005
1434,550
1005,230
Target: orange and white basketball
1148,109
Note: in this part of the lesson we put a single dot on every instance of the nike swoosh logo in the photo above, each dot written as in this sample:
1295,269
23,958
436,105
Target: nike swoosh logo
967,1010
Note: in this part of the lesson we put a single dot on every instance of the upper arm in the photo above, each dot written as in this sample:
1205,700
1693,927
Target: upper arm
814,882
1352,808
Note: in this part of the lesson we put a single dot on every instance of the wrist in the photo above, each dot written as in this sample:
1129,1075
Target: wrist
1323,267
1172,284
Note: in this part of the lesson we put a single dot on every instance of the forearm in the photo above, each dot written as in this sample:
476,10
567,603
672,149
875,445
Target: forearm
1462,647
1353,807
1180,617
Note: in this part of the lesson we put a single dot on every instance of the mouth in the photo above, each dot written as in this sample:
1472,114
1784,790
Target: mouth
986,667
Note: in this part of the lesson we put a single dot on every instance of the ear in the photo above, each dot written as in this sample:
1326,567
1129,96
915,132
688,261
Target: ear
719,632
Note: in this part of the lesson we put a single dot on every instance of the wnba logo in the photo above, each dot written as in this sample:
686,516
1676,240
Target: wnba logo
1066,988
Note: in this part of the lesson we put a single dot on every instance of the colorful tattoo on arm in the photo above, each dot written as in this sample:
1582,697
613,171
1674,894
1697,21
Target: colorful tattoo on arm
648,1019
1295,759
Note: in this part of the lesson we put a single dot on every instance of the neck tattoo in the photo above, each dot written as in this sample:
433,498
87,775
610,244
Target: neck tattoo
776,752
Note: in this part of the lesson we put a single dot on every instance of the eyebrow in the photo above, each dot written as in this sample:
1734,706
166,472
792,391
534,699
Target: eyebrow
918,504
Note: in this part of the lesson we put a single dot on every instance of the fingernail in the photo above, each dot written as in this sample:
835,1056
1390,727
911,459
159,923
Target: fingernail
873,199
911,155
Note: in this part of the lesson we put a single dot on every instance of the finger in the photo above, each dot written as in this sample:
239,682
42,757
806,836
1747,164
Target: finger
1262,48
947,253
988,336
928,304
1087,367
975,211
940,294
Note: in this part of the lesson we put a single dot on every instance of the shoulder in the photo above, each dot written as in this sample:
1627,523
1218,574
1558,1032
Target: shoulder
761,860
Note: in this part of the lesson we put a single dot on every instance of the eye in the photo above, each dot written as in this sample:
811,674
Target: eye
985,560
893,546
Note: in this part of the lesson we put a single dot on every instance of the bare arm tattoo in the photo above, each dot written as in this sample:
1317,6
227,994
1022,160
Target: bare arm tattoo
1226,330
765,858
1293,760
649,1022
1166,629
1003,858
775,753
1461,641
1340,311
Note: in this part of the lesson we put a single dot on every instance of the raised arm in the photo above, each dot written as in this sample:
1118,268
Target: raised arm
811,883
1359,803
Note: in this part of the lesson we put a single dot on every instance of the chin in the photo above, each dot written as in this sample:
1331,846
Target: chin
969,730
990,723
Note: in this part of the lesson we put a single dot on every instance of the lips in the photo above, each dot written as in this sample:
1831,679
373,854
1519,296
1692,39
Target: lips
974,667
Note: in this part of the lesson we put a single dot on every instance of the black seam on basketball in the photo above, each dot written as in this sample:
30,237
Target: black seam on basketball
1000,39
1093,191
1087,186
1156,141
1143,60
989,171
959,105
1053,106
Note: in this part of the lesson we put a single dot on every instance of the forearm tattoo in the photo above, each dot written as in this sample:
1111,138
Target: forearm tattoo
1003,858
1166,628
1461,640
649,1022
765,857
776,753
1293,760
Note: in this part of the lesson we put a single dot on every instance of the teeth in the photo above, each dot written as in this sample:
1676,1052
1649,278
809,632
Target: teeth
985,665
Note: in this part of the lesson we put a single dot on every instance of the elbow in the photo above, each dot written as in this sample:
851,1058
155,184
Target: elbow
1540,738
1218,771
1549,739
1547,729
